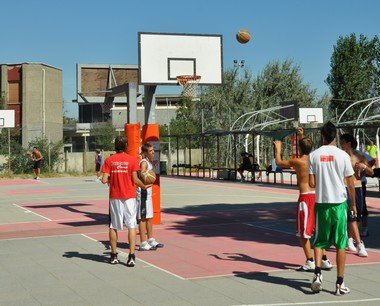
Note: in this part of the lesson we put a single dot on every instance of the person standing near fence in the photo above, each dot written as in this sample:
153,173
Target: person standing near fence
120,173
98,163
305,221
329,167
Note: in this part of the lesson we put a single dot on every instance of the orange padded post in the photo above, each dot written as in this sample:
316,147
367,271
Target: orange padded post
151,134
133,133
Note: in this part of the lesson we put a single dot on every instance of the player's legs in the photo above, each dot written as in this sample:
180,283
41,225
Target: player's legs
132,240
149,227
142,230
340,262
305,222
130,220
306,246
113,240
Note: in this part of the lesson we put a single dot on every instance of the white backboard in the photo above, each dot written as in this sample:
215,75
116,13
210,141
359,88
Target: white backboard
311,115
164,56
7,118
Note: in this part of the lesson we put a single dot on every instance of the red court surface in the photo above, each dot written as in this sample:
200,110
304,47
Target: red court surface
197,243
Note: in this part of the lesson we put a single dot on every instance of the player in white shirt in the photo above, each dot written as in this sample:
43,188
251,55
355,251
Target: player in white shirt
329,166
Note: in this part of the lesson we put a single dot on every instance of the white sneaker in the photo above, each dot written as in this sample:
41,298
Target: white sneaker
350,245
152,242
326,265
361,250
145,246
316,285
342,289
309,266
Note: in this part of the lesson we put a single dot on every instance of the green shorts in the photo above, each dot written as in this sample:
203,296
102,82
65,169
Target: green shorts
330,225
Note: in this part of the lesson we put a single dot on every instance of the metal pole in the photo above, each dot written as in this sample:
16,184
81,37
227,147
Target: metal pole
9,150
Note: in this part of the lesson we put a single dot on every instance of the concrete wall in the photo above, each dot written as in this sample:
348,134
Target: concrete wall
34,122
73,162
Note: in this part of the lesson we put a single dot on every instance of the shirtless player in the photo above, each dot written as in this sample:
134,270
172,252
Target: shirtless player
305,220
360,165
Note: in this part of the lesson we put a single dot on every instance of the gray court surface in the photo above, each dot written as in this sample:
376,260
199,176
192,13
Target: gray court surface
72,269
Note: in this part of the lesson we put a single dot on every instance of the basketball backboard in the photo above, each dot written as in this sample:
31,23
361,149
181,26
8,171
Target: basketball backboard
94,81
7,118
311,115
164,56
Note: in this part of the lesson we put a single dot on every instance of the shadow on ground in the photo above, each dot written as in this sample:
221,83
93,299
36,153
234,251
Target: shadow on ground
225,220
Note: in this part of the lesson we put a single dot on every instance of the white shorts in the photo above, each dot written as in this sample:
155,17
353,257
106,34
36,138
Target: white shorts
123,212
144,205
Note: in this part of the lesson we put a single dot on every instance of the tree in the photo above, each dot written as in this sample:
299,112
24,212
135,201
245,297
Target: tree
280,82
220,106
104,135
354,73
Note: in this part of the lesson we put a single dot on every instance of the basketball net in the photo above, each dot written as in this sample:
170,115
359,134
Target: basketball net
189,84
314,124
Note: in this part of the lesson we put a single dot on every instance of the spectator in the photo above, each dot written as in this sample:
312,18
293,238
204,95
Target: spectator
245,164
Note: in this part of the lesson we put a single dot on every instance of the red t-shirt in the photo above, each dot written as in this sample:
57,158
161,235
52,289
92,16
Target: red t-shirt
120,167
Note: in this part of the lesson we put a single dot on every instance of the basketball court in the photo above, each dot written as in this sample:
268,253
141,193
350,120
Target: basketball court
226,243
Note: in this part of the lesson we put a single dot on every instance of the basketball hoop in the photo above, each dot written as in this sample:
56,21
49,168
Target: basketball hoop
314,124
189,85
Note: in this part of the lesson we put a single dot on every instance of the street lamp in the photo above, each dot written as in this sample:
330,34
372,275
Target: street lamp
239,64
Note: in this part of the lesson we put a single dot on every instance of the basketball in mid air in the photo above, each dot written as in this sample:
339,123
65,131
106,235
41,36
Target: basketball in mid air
243,36
148,177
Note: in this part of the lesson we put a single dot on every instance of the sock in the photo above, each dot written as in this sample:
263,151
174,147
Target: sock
317,270
310,259
339,280
324,257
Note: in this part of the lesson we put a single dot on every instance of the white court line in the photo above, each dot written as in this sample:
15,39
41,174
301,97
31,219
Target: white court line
139,259
317,303
32,212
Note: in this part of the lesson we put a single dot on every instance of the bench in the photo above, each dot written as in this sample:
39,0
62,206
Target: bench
200,168
292,173
223,173
179,167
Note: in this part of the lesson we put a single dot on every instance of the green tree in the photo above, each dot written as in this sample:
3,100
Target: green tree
104,135
280,82
51,153
354,73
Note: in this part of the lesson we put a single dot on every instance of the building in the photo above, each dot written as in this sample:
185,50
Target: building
34,91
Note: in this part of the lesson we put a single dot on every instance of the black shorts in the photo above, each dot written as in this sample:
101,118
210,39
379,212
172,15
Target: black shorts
97,167
37,164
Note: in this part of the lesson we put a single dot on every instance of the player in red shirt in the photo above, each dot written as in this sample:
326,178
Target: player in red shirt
120,173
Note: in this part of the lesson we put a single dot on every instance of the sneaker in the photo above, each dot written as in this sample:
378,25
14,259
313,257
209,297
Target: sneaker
350,245
361,250
152,242
113,259
341,289
131,260
316,285
36,178
326,265
309,266
145,246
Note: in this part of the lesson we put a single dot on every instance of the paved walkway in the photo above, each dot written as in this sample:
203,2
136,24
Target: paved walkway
226,243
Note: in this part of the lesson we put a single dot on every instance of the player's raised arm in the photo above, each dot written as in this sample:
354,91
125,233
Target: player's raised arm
277,154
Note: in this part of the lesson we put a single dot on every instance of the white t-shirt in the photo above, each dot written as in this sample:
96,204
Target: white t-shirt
150,167
330,166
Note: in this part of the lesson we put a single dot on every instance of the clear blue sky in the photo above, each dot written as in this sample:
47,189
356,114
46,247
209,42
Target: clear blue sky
64,33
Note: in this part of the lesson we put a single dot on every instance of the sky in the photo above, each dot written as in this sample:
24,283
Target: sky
64,33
